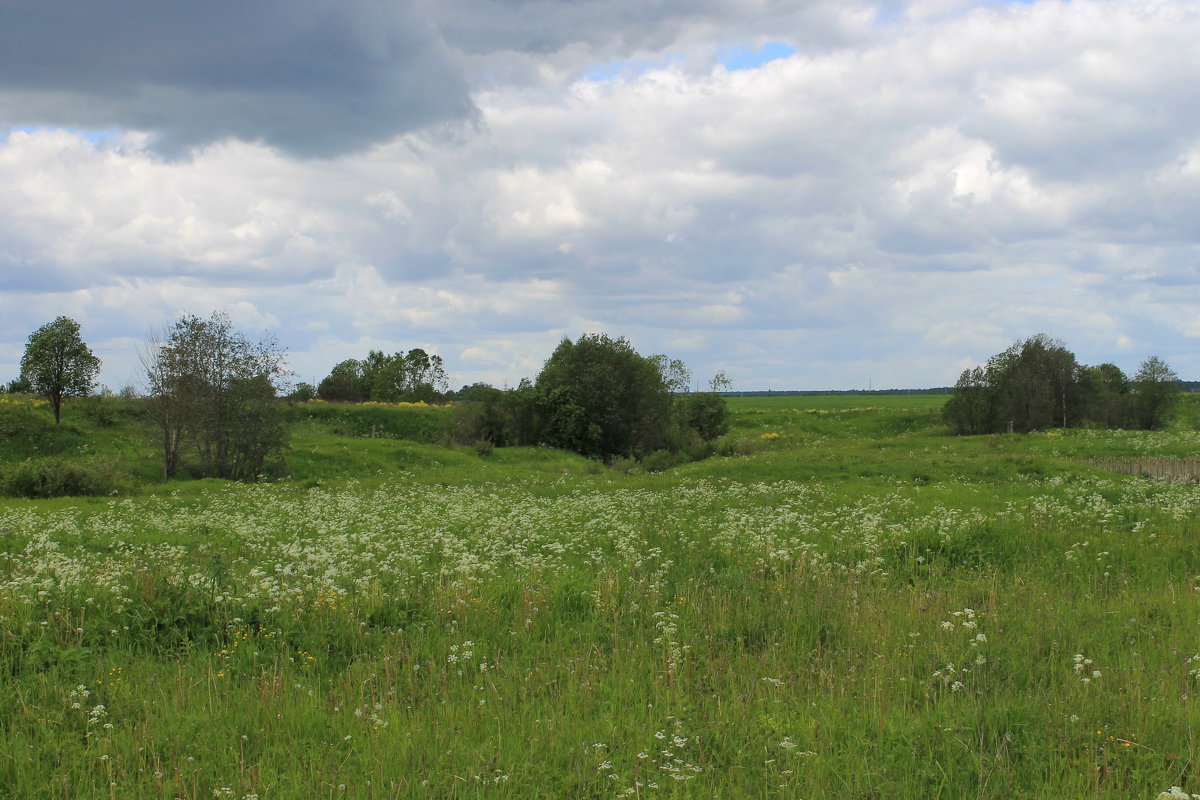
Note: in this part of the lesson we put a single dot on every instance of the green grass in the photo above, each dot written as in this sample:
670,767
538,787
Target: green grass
860,606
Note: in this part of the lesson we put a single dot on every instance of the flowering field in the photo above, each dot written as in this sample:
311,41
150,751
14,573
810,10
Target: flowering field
858,607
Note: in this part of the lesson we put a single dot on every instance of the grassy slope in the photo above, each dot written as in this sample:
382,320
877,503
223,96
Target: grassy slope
788,623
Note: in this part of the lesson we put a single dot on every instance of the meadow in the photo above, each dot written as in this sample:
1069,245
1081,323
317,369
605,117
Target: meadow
853,604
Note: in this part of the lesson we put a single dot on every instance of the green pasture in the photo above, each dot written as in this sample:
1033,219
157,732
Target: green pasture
846,602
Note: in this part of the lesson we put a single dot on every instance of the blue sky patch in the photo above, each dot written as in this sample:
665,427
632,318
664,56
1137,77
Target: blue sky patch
742,57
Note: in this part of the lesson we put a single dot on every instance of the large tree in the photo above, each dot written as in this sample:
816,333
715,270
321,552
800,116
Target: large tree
1034,384
1155,393
1109,404
1037,384
57,364
598,397
213,396
344,383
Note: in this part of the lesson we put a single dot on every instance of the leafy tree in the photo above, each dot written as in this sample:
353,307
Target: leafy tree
345,383
1038,384
1109,404
19,385
477,392
407,377
302,393
425,376
1034,384
972,408
57,364
482,414
1041,384
213,394
597,396
706,414
1155,393
675,374
720,382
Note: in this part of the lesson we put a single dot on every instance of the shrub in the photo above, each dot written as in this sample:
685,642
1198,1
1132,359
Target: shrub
698,451
58,477
661,460
626,465
729,448
707,414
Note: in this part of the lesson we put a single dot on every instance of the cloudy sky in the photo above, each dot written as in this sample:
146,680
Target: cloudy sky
804,194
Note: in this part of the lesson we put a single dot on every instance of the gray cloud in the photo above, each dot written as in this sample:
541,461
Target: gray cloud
326,77
896,201
314,77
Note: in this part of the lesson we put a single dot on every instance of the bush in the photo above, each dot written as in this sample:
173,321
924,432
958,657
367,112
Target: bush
626,466
698,451
731,448
662,460
707,414
57,477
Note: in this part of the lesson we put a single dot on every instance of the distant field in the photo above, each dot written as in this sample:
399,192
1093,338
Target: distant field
831,402
856,605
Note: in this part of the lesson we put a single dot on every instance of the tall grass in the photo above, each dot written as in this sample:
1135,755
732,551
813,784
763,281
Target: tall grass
860,607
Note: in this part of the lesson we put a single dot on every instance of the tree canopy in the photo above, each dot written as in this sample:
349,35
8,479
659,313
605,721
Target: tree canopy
58,364
408,377
213,396
599,397
1037,384
1156,393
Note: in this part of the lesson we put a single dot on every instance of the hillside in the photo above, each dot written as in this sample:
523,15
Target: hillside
849,602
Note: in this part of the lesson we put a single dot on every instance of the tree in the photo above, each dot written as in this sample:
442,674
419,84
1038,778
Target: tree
1038,384
384,378
19,385
213,394
1034,384
599,397
1109,402
344,383
1041,384
705,414
425,376
675,374
57,364
971,409
1155,394
302,392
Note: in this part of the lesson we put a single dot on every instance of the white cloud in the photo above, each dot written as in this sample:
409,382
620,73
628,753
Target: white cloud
896,198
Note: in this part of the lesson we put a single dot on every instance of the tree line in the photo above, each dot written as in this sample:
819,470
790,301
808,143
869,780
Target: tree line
415,376
1038,383
214,396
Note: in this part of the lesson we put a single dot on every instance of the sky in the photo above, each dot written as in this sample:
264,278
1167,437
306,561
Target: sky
804,194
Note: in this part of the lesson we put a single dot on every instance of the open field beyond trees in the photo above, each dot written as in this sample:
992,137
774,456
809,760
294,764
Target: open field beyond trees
850,604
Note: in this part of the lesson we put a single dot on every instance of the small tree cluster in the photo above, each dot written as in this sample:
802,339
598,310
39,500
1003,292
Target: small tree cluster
1037,384
212,394
598,397
401,377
